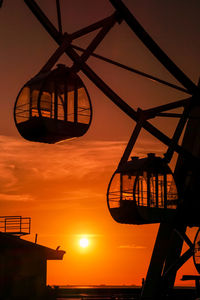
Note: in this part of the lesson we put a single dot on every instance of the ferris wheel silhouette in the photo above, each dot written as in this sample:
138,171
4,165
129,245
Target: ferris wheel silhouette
55,105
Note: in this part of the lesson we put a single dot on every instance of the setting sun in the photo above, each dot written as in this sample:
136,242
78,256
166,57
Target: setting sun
83,242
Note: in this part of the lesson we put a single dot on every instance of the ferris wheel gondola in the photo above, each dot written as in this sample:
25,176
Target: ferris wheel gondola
143,191
52,107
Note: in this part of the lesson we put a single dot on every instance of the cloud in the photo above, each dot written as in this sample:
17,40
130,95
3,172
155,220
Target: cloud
50,161
15,198
58,175
68,174
73,158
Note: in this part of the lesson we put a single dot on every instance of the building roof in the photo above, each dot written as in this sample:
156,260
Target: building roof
10,242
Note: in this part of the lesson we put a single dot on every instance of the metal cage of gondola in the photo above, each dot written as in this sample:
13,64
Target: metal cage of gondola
53,106
142,191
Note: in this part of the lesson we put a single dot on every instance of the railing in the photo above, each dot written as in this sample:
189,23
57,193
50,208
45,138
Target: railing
23,112
15,225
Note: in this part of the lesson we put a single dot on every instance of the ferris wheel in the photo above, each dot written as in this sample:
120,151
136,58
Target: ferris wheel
55,105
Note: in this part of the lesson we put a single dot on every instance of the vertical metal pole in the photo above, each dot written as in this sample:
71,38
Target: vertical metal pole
140,192
148,189
65,104
29,225
59,16
51,108
76,104
56,103
20,222
121,187
165,190
156,177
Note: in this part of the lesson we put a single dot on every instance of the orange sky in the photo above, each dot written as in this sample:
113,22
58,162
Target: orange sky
63,187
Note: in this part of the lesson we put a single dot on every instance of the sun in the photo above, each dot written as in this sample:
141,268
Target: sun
84,242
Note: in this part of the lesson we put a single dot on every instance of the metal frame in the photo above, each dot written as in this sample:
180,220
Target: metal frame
79,62
161,259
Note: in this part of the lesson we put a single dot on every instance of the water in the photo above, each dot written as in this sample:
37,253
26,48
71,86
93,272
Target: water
116,293
99,292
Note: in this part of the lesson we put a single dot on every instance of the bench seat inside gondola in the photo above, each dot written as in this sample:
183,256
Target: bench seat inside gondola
50,131
130,213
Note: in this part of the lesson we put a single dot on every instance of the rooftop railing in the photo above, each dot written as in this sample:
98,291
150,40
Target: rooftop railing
15,225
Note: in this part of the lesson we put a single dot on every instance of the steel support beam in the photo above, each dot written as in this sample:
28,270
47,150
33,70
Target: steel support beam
178,132
93,27
59,16
131,142
138,72
152,289
152,112
95,42
153,47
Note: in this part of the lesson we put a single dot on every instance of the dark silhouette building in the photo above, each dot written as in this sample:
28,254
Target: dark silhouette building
23,268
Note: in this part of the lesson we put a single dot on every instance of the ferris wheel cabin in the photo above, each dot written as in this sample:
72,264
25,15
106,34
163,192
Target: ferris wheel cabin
52,107
143,191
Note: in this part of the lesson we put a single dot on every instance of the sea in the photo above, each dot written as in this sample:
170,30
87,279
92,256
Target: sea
117,293
98,292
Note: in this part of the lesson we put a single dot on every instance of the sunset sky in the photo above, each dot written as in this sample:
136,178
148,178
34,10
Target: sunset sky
63,187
